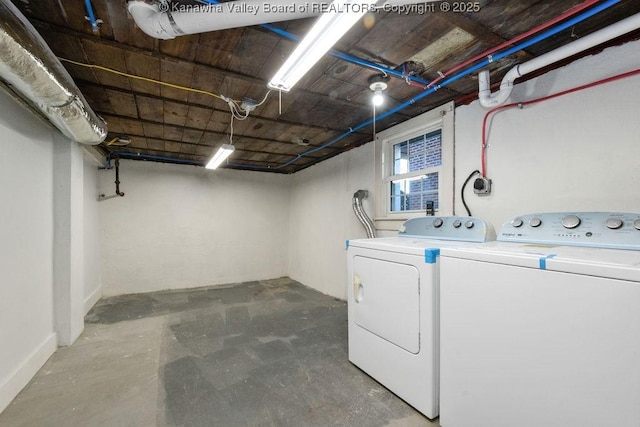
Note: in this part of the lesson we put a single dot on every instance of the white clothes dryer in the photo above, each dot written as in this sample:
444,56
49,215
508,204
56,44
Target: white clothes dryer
393,286
542,326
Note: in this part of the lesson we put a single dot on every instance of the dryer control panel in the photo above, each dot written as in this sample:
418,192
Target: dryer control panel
615,230
461,228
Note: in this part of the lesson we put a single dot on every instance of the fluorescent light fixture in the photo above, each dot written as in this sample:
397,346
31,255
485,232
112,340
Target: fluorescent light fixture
220,156
328,29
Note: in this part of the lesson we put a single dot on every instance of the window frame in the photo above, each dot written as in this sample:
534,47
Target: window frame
421,173
441,118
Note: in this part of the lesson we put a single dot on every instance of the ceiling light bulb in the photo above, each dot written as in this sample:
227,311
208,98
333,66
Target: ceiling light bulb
378,98
377,85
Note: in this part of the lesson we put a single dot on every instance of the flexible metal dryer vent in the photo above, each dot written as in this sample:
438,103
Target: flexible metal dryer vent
361,214
32,70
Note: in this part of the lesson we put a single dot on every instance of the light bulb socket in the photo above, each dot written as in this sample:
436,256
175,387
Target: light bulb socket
378,82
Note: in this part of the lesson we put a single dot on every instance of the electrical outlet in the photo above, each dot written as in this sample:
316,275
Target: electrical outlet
482,185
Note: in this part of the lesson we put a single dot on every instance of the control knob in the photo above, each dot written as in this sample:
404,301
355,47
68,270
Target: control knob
517,222
469,224
457,223
613,223
535,222
437,223
636,224
571,221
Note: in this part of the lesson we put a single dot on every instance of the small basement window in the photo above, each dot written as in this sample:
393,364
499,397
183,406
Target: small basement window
415,161
415,176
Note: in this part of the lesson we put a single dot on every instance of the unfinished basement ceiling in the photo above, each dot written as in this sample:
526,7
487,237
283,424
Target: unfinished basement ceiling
170,124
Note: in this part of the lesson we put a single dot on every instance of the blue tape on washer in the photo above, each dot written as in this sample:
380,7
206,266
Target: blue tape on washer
346,244
543,261
431,255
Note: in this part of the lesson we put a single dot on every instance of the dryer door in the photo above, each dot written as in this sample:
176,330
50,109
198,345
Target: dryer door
387,300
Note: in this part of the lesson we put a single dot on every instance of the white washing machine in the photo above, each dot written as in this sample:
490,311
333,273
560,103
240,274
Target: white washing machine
393,304
542,326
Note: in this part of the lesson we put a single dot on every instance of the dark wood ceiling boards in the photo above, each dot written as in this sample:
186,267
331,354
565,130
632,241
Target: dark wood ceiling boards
331,99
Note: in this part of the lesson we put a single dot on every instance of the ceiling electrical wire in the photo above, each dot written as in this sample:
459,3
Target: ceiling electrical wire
442,82
145,79
240,113
235,107
236,110
549,33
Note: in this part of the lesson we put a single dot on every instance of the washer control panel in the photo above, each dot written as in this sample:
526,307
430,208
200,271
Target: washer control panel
616,230
462,228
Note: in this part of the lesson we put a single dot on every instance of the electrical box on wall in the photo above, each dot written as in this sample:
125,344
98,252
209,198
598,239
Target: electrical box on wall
482,185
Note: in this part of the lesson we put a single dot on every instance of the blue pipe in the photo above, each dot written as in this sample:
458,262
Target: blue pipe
597,9
345,56
138,156
352,59
92,16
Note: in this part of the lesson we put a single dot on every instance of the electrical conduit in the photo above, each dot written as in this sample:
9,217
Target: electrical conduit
91,16
483,155
559,18
411,79
432,86
568,24
155,158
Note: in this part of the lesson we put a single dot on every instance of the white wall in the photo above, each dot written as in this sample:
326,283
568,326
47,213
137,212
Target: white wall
579,152
45,221
181,226
27,336
322,218
91,219
68,240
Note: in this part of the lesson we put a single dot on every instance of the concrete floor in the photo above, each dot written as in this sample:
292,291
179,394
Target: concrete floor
268,353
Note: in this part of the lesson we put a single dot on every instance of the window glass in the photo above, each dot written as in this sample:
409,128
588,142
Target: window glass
414,155
412,194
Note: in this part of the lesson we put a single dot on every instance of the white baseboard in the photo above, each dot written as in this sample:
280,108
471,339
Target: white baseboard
20,377
92,299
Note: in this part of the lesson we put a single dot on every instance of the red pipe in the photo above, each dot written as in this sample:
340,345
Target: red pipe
483,155
537,29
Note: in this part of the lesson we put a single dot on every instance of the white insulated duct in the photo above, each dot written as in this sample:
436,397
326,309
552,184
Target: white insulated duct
31,69
490,100
168,20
